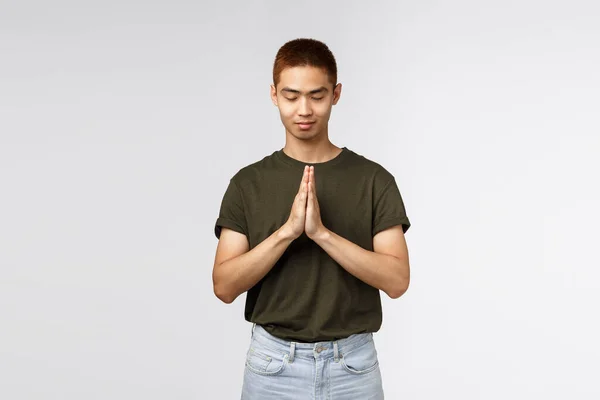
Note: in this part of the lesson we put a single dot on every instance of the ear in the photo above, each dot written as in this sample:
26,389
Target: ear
274,94
337,92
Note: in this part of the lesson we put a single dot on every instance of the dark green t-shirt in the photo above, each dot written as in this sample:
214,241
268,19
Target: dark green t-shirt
307,296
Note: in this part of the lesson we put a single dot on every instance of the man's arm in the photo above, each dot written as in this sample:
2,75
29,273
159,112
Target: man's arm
386,268
236,269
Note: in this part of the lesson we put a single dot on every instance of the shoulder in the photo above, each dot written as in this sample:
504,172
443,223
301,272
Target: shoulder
254,171
375,170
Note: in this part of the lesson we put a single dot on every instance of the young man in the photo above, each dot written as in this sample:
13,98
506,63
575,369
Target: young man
312,233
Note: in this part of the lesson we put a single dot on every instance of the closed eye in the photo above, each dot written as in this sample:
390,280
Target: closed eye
314,98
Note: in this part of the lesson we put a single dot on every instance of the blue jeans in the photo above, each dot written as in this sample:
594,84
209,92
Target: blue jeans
345,369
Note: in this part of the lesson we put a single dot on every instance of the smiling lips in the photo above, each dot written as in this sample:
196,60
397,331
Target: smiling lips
305,125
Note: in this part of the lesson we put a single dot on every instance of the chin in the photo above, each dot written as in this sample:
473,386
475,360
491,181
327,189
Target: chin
306,135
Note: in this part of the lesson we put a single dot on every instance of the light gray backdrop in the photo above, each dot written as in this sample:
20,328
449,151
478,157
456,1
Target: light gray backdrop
121,123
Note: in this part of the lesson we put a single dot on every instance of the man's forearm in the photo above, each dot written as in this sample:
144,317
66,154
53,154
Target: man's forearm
382,271
239,274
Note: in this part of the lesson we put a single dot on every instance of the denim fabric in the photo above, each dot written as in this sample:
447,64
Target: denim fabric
346,369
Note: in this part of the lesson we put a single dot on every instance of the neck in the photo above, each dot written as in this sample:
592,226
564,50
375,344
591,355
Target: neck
315,150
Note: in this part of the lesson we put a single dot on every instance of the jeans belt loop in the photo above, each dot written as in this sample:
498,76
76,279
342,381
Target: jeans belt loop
292,351
336,354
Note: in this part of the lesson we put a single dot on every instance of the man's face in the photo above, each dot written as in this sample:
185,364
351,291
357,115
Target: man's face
304,94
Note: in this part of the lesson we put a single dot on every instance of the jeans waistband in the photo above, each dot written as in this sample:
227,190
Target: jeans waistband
343,346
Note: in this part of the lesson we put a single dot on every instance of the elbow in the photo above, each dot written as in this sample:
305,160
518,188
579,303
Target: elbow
223,295
398,290
399,285
227,300
220,287
395,294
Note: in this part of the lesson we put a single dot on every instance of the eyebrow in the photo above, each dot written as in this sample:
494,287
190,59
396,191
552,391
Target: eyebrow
319,90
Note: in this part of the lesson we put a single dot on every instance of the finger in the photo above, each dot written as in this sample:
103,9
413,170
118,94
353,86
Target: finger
312,180
304,179
303,193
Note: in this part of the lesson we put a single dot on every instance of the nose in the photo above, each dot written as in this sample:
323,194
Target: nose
304,107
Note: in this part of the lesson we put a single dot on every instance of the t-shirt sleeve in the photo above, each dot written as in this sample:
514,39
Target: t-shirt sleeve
388,208
231,213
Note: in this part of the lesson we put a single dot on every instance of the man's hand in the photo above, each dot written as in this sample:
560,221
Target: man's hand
313,225
295,223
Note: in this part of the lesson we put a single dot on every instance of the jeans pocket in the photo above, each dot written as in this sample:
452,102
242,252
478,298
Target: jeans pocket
362,359
265,361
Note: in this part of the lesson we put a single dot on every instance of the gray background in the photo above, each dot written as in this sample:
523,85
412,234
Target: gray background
121,123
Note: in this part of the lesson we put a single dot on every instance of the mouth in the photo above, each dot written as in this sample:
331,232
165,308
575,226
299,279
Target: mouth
305,125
